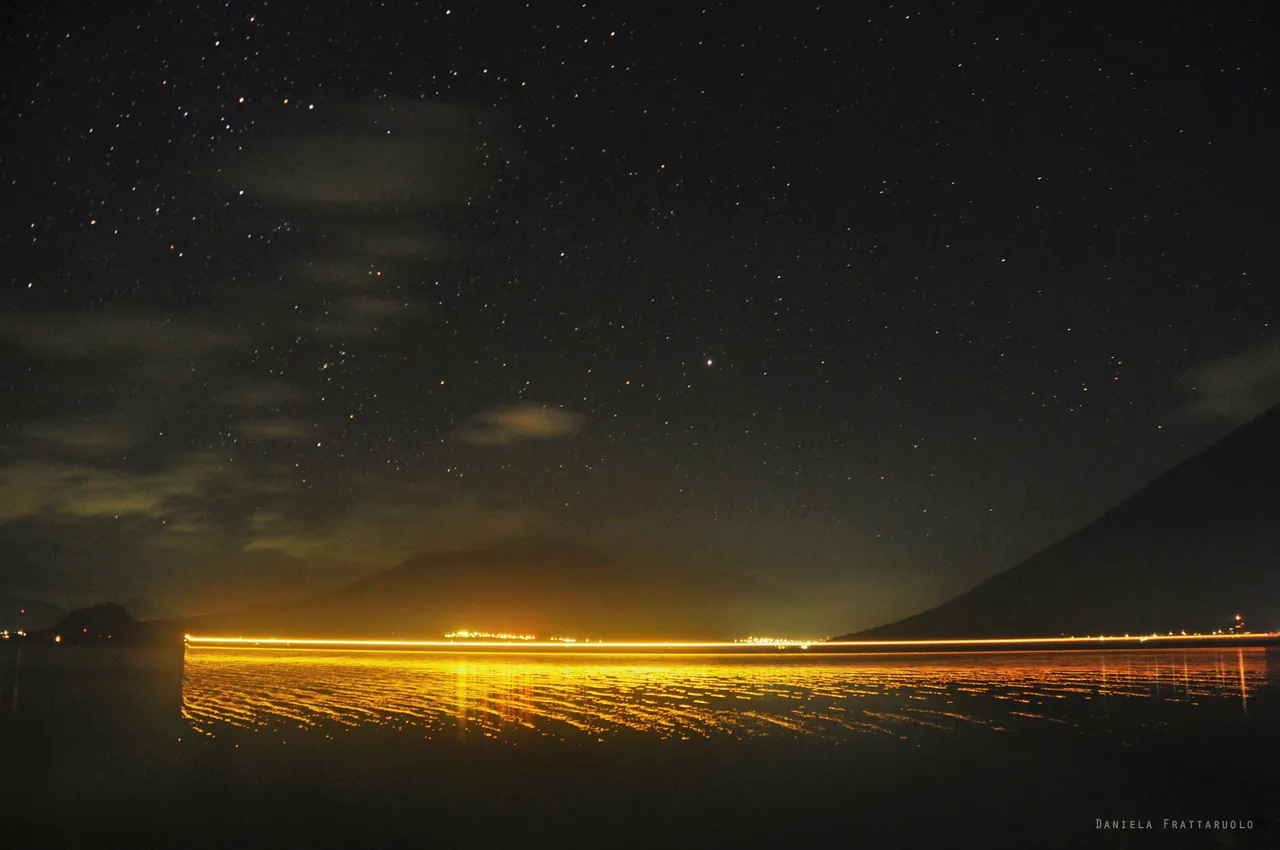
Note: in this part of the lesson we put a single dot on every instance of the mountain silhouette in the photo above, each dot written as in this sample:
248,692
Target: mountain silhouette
1191,550
108,621
547,588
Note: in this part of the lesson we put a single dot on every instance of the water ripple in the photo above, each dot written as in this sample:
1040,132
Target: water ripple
512,697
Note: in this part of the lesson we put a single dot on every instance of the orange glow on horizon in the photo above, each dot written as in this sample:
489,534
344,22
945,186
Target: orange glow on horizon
712,645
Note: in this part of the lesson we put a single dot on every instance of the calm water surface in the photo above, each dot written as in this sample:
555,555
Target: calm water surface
297,748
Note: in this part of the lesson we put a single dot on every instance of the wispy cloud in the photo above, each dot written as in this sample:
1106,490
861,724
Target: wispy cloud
180,450
504,426
364,181
261,394
277,428
1238,387
384,532
402,243
32,488
89,435
115,333
384,153
371,307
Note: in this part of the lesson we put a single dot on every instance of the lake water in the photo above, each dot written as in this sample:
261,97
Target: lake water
296,748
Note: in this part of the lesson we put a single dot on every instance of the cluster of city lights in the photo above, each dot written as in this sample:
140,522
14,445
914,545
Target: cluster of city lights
781,643
463,634
1236,630
4,635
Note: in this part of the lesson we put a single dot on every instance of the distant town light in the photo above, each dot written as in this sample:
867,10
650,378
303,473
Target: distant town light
779,643
463,634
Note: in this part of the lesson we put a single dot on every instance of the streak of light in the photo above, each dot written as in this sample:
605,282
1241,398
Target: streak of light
1242,637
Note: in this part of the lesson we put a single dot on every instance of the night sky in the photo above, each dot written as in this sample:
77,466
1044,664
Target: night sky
838,313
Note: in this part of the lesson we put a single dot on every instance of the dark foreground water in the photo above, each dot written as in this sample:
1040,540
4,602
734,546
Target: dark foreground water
288,748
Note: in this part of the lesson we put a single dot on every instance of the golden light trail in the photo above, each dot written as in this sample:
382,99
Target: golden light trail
1244,691
1118,641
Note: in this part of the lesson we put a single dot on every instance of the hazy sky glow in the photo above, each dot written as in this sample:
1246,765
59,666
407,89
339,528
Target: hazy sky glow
831,317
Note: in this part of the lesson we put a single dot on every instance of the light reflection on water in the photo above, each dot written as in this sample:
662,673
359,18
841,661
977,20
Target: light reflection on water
510,697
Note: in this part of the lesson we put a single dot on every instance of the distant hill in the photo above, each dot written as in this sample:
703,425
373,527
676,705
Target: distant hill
1189,551
547,588
105,622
